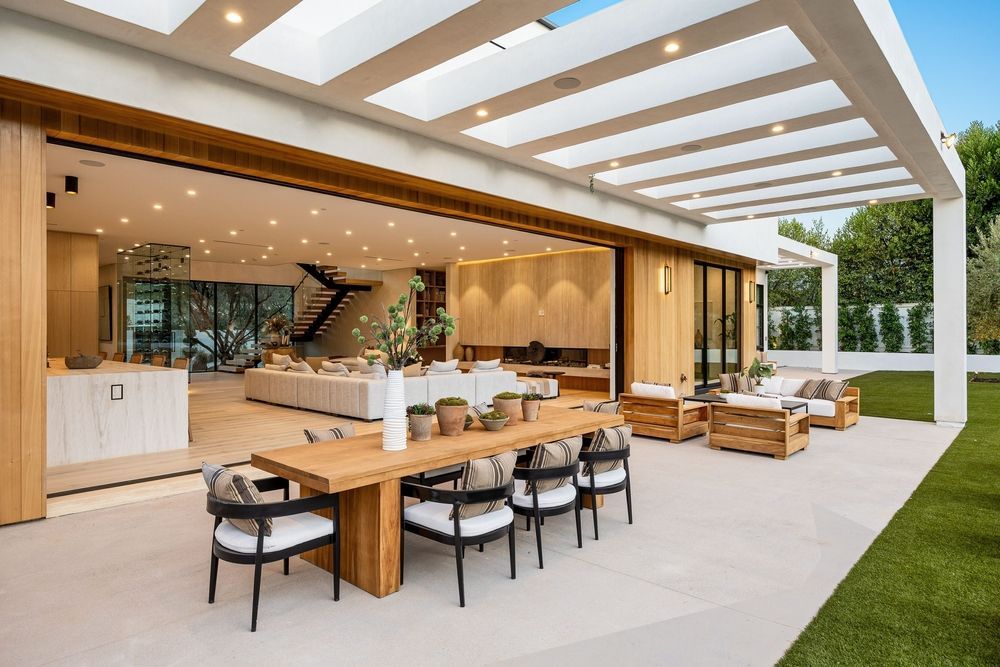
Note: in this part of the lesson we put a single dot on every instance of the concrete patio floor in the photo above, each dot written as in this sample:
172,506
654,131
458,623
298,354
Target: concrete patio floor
729,558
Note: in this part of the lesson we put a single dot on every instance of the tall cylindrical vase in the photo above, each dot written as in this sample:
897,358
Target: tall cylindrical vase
394,414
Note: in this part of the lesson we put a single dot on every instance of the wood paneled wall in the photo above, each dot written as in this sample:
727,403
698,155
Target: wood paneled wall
22,312
500,301
72,293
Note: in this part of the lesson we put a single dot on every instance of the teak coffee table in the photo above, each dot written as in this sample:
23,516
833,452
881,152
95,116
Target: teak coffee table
368,481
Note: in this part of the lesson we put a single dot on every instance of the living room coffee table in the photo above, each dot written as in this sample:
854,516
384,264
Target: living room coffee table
792,405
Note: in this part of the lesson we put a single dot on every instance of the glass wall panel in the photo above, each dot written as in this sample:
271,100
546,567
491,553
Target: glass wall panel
716,323
153,308
699,326
271,300
201,326
715,311
235,320
732,300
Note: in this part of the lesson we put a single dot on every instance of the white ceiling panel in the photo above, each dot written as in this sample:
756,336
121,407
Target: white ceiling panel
831,201
162,16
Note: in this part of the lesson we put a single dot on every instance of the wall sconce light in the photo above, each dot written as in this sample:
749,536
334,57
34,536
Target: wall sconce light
72,185
666,280
751,289
50,200
948,140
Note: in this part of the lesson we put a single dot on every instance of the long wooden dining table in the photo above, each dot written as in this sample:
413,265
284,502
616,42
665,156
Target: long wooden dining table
368,481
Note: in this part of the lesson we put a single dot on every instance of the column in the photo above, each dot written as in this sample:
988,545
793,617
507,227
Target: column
829,335
950,398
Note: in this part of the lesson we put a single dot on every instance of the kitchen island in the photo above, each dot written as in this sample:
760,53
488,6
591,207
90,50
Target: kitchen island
116,409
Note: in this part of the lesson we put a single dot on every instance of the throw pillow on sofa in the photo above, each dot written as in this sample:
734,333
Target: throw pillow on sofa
300,367
374,372
281,360
412,371
334,368
274,367
443,366
493,364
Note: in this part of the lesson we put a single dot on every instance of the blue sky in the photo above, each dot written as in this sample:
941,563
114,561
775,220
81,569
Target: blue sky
955,43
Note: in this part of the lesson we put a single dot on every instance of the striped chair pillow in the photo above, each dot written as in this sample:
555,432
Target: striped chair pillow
830,390
235,487
736,382
345,430
553,455
604,407
607,440
809,388
486,473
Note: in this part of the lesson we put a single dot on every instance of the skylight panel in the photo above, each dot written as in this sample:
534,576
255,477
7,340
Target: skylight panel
830,201
829,164
768,53
164,16
578,10
782,144
318,17
780,107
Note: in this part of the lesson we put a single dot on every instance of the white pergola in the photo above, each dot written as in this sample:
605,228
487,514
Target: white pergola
701,121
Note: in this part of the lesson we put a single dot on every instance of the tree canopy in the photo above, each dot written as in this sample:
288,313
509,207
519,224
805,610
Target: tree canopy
979,148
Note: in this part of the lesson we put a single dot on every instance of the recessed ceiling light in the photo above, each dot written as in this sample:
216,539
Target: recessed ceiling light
460,259
750,217
201,240
548,250
270,247
691,148
91,163
672,47
121,249
696,196
778,128
243,261
566,83
348,232
505,254
158,207
125,220
872,201
329,254
314,212
392,224
273,222
364,247
423,263
315,261
207,251
234,18
409,240
136,245
192,193
454,233
613,164
362,266
263,256
99,231
416,254
378,259
482,113
232,232
837,173
305,240
461,247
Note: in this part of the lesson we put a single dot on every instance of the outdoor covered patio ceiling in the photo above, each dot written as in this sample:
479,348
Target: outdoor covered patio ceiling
714,110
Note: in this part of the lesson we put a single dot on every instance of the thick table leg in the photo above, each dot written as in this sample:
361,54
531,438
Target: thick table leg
369,518
588,503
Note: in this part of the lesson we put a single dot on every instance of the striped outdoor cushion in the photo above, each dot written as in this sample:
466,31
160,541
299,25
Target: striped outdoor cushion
607,440
345,430
830,390
234,487
553,455
809,388
735,382
604,407
486,473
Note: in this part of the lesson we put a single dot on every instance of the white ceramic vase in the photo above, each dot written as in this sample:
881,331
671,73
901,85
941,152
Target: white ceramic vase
394,413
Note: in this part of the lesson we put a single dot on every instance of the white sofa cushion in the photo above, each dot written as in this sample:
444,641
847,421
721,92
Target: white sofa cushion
301,367
745,401
789,386
486,365
287,531
275,367
443,366
490,384
281,360
435,516
255,384
334,368
376,371
772,385
653,390
282,388
603,478
822,407
554,498
313,392
498,369
454,372
460,384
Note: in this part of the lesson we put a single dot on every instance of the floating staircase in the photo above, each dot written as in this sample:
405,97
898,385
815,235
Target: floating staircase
326,303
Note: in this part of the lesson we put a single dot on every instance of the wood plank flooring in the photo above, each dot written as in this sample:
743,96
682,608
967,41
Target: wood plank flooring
226,429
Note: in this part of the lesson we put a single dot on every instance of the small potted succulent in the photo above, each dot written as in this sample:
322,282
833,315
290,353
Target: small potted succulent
509,403
493,420
530,405
421,418
451,413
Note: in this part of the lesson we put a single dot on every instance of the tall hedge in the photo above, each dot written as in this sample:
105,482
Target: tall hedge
890,327
867,334
919,327
847,329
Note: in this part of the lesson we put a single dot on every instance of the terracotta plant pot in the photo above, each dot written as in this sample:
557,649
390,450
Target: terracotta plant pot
494,424
451,419
529,410
420,427
510,407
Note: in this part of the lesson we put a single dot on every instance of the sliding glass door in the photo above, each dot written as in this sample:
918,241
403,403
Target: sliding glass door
716,323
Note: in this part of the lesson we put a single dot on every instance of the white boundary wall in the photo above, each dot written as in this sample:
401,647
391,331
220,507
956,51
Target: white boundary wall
879,361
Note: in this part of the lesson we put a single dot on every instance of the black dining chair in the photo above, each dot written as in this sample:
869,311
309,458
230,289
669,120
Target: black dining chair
438,476
430,518
557,501
295,530
608,482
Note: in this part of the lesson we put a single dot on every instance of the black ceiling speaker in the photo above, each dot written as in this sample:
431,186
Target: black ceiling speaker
50,200
72,185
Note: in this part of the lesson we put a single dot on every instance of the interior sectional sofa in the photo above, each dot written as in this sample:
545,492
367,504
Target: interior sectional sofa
363,398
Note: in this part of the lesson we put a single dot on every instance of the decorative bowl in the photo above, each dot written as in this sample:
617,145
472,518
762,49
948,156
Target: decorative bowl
494,424
82,361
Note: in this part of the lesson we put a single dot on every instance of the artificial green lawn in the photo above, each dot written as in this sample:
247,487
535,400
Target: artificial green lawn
927,591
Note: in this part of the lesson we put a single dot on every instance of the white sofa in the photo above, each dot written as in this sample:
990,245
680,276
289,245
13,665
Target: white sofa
362,398
839,414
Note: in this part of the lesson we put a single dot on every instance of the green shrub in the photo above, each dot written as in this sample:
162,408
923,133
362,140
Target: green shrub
493,415
531,397
451,401
867,334
421,409
916,322
890,328
847,329
507,396
802,326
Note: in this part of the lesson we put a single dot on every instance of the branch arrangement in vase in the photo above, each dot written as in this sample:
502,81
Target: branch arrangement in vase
398,340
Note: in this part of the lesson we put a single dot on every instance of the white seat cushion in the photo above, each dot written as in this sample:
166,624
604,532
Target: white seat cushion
287,532
761,402
773,384
603,478
554,498
653,390
435,517
789,386
822,407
